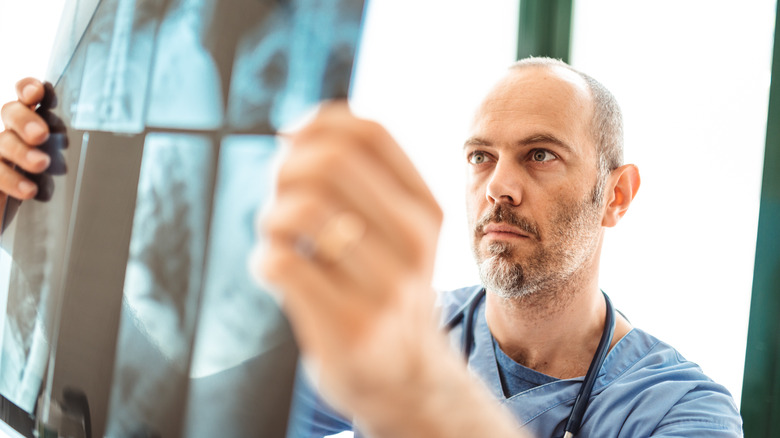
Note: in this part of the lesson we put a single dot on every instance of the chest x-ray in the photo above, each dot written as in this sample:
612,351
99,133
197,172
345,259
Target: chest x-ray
126,307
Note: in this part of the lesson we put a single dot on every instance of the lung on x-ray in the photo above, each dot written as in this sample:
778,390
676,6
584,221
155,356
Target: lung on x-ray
126,308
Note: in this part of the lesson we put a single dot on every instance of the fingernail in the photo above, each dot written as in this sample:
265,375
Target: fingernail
28,92
37,157
27,188
34,130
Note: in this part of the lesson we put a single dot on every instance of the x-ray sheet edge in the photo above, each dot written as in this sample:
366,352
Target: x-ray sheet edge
7,431
5,278
74,21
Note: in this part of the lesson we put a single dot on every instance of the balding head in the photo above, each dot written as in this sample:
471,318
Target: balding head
607,121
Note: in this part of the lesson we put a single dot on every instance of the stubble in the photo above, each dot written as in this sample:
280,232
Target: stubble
560,252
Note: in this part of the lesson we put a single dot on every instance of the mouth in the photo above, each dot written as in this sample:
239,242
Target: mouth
503,231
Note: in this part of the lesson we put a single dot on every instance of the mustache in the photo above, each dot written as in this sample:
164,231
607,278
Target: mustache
502,214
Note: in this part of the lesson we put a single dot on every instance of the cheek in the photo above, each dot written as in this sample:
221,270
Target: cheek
474,205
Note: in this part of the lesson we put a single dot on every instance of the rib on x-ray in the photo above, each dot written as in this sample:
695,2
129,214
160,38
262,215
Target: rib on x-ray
126,307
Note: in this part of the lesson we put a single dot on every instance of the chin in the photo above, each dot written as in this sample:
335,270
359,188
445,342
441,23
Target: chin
499,248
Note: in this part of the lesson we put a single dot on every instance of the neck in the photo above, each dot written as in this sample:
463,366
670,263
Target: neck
555,332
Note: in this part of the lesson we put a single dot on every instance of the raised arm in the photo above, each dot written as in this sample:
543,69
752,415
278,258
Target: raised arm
349,245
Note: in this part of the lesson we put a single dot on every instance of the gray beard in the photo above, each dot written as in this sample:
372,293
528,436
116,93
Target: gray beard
575,233
505,278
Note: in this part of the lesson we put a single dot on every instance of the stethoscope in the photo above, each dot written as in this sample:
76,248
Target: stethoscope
466,315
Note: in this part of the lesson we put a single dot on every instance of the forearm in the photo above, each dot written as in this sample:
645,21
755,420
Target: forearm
441,399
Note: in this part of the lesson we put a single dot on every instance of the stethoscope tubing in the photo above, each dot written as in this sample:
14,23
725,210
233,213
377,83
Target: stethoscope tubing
466,315
583,398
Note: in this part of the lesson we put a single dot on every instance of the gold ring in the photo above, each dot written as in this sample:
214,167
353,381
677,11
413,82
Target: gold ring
336,238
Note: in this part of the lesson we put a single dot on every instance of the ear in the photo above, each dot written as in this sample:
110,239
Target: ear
622,185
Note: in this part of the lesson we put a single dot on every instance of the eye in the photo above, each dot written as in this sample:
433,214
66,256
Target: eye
542,155
477,157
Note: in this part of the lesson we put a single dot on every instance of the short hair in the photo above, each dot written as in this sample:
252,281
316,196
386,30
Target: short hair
607,122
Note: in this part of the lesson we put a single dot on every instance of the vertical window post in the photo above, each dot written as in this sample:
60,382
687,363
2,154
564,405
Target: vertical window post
544,28
761,385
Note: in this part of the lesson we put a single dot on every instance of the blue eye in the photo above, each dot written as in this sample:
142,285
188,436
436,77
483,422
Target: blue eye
541,155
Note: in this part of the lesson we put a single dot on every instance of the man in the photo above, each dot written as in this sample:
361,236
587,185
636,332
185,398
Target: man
349,248
545,176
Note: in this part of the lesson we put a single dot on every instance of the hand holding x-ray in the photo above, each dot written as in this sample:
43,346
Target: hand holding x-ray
30,146
25,130
351,243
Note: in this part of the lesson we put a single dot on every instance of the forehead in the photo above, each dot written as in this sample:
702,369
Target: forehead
550,100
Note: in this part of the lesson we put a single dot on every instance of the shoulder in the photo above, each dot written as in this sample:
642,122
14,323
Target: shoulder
310,415
450,302
658,387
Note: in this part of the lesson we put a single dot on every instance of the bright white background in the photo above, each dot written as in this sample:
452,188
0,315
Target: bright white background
27,29
692,77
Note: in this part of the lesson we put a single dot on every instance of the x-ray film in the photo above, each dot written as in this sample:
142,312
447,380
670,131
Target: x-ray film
75,19
119,47
281,61
162,286
33,253
242,338
126,307
186,82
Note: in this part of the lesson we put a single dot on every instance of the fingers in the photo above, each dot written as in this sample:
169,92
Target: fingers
14,184
341,163
333,303
24,130
333,173
303,223
17,148
336,117
30,91
14,150
20,117
310,298
360,281
22,120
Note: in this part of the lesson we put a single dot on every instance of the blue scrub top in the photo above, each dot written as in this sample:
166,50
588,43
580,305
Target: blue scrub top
645,388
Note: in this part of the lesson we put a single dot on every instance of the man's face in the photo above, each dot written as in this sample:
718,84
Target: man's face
533,194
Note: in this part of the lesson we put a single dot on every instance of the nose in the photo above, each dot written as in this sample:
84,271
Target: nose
505,185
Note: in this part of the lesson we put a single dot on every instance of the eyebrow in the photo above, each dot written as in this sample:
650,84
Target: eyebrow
530,140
